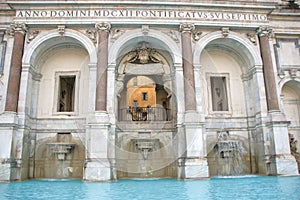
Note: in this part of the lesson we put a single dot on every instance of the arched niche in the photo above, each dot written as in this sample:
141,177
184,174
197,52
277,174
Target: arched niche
239,45
290,96
52,39
144,61
55,58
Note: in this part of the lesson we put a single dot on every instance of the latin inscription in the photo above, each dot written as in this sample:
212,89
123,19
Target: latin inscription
132,13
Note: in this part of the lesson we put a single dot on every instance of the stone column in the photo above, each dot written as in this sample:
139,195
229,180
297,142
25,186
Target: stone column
271,92
18,31
101,84
192,161
188,71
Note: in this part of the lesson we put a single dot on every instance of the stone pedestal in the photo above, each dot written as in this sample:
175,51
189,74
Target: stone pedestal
97,164
279,161
193,164
14,149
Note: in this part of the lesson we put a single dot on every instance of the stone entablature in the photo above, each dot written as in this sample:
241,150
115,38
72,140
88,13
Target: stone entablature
153,14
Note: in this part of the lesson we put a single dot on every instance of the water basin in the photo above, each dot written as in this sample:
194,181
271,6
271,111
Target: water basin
241,187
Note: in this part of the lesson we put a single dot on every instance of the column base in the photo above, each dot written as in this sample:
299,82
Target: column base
283,165
194,168
5,171
99,170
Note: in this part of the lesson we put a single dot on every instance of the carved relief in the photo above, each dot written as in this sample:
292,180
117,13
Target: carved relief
172,34
31,35
92,35
145,29
142,55
252,38
225,31
116,33
61,30
197,35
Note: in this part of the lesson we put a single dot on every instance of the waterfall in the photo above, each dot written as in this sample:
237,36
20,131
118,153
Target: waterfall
229,154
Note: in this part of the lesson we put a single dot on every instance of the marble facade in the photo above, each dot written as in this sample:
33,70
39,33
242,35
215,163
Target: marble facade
250,47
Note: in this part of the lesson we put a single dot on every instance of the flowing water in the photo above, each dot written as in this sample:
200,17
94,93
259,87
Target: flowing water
237,187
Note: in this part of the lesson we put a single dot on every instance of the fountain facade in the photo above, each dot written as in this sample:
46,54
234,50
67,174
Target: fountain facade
59,157
145,156
228,157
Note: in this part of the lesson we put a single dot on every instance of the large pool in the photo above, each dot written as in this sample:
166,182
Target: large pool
247,187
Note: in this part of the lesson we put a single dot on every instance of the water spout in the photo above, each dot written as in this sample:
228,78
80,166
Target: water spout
229,155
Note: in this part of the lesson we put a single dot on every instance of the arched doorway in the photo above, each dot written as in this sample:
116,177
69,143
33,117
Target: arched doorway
145,124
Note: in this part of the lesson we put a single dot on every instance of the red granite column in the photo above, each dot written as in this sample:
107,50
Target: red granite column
268,71
188,71
101,84
18,30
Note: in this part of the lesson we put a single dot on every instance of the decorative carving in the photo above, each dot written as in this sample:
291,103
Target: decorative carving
225,31
142,55
186,27
61,30
61,149
20,27
116,33
31,35
252,38
103,26
293,73
197,35
91,34
145,29
173,34
265,31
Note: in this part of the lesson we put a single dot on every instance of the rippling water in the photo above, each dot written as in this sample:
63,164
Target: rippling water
246,187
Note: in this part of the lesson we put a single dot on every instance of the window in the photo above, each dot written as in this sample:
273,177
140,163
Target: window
219,93
66,92
135,103
144,96
2,52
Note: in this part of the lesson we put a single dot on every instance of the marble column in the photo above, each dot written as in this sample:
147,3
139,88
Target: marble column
271,92
18,31
102,63
188,71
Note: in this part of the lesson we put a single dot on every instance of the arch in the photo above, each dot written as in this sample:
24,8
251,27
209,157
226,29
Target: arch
246,48
168,44
44,37
286,80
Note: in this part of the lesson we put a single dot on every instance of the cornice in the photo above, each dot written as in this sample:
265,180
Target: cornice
216,4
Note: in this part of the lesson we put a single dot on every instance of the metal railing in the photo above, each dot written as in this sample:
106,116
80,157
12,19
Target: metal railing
144,114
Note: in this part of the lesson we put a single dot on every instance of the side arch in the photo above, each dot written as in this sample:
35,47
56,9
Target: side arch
40,40
244,46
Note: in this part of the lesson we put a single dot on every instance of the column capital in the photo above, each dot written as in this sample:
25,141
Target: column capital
186,27
103,26
16,27
264,31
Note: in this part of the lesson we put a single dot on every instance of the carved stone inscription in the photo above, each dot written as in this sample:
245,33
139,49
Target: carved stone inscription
143,13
